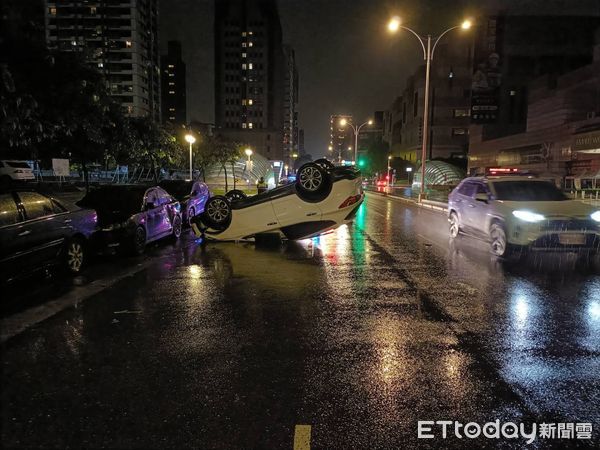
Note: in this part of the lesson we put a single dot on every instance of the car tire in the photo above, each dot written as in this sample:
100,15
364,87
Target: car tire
235,195
498,241
325,163
217,213
137,244
454,225
177,226
312,182
75,256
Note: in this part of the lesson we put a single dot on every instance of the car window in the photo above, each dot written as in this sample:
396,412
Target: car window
18,164
151,197
481,188
9,214
163,196
467,188
528,191
36,205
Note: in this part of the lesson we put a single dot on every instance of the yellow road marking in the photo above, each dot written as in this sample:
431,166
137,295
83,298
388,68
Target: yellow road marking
302,437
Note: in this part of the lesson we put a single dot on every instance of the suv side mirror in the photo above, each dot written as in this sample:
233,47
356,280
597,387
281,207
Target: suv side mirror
482,197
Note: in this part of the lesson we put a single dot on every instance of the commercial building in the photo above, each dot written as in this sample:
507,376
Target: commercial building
250,75
541,101
561,139
120,39
173,90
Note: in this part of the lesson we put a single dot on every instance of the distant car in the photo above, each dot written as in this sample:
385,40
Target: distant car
192,196
37,231
11,171
322,198
131,216
522,213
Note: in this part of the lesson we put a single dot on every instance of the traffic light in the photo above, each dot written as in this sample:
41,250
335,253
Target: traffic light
361,163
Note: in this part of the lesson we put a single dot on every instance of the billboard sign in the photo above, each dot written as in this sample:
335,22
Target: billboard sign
60,167
485,90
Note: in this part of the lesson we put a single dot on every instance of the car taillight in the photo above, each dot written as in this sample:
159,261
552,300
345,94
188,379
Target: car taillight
350,201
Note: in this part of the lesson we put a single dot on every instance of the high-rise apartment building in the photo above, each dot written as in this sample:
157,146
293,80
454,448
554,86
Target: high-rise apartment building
172,81
290,101
250,75
120,39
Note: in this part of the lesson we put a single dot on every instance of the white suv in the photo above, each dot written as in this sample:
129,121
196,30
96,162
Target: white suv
516,213
14,171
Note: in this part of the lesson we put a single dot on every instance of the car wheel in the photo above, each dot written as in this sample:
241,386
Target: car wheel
177,224
75,256
190,215
138,241
325,163
312,182
217,213
235,195
454,225
498,242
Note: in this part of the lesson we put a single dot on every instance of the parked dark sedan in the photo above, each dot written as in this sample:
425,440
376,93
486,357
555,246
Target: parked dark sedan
38,231
192,196
130,216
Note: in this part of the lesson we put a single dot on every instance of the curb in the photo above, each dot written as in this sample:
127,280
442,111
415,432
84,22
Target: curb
426,204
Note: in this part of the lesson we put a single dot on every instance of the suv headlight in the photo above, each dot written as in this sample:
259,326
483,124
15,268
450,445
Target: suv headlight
528,216
596,216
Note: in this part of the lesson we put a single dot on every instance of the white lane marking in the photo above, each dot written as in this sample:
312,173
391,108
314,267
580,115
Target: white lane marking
16,324
302,437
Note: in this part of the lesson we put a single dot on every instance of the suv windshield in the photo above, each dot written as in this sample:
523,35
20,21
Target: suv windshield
528,191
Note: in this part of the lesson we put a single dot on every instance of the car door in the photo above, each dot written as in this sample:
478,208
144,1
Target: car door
461,202
152,213
165,215
10,219
479,209
42,233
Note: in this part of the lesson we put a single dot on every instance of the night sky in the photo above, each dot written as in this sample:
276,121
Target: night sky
347,62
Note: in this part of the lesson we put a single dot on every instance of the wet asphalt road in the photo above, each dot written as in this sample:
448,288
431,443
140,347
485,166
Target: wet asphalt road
359,334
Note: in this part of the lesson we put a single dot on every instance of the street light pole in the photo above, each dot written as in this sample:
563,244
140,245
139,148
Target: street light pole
356,130
190,139
428,51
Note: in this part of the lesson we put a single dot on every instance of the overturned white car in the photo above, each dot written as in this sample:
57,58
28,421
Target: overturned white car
322,198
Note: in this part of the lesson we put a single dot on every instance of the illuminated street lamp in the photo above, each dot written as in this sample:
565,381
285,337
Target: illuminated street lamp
356,130
248,153
393,26
389,167
190,139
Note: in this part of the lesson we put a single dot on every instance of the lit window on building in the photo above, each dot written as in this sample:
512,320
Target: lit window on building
100,64
171,66
171,118
171,83
250,125
128,44
243,102
249,33
243,34
244,55
171,74
52,11
74,43
250,44
172,109
244,66
244,44
171,92
250,66
93,10
244,125
250,101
